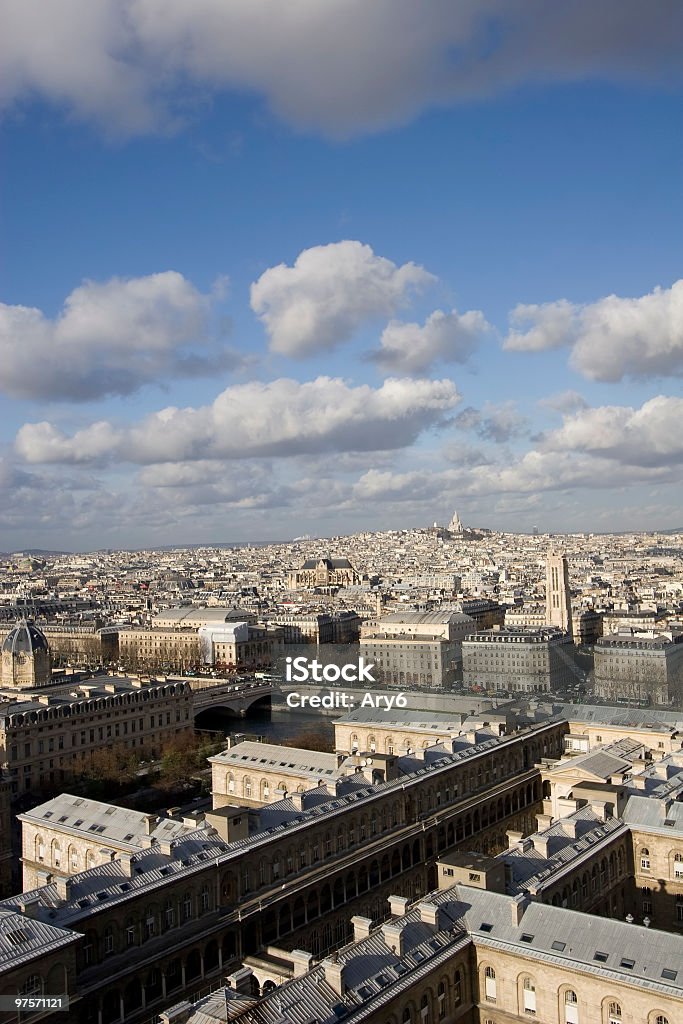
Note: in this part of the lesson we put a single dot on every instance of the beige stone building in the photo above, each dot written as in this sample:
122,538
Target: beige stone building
253,774
70,834
26,658
640,666
519,660
157,925
405,732
82,643
465,955
49,736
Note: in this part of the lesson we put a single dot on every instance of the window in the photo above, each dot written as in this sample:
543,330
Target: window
457,990
33,986
614,1013
490,984
661,1019
571,1007
529,996
130,935
109,941
678,865
645,859
150,927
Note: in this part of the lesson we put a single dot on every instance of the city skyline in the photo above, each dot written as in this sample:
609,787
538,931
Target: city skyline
248,295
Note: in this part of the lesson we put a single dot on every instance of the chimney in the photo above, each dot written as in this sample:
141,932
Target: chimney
29,906
361,927
541,845
518,905
150,822
544,821
240,980
301,962
127,860
599,808
178,1014
398,905
63,886
334,975
392,933
569,826
298,800
165,846
429,913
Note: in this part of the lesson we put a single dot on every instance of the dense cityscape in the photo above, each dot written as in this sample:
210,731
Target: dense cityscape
514,764
341,532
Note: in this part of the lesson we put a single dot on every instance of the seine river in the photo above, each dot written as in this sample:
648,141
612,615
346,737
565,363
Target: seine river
274,725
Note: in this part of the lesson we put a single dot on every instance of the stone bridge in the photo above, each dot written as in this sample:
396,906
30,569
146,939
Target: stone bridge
230,695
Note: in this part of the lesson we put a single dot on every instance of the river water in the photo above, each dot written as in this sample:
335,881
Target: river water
273,724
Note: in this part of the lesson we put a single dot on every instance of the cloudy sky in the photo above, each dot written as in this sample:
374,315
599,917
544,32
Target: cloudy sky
280,268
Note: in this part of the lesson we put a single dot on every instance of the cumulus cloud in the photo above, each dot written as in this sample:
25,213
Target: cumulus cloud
329,292
110,338
536,328
498,423
283,417
649,436
445,337
341,67
612,338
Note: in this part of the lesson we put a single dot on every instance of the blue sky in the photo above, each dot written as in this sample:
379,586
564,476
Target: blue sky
266,272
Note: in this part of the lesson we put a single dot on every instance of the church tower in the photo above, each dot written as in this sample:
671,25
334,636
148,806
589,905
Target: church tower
558,603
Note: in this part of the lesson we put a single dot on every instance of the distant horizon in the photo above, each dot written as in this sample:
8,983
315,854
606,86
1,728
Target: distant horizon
670,531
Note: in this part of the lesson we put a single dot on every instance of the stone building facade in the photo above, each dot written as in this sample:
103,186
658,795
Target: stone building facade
519,660
640,666
470,956
158,925
47,739
323,572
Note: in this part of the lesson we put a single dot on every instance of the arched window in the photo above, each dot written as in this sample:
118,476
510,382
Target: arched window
661,1019
424,1009
614,1013
33,986
570,1007
441,999
407,1017
529,995
678,865
231,783
108,940
457,988
644,859
490,984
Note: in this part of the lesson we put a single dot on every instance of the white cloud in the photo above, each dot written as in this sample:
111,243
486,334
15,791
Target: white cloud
536,328
328,294
612,338
109,338
340,67
647,437
446,337
283,418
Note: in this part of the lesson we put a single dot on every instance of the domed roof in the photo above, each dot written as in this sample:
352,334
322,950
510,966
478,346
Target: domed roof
25,638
